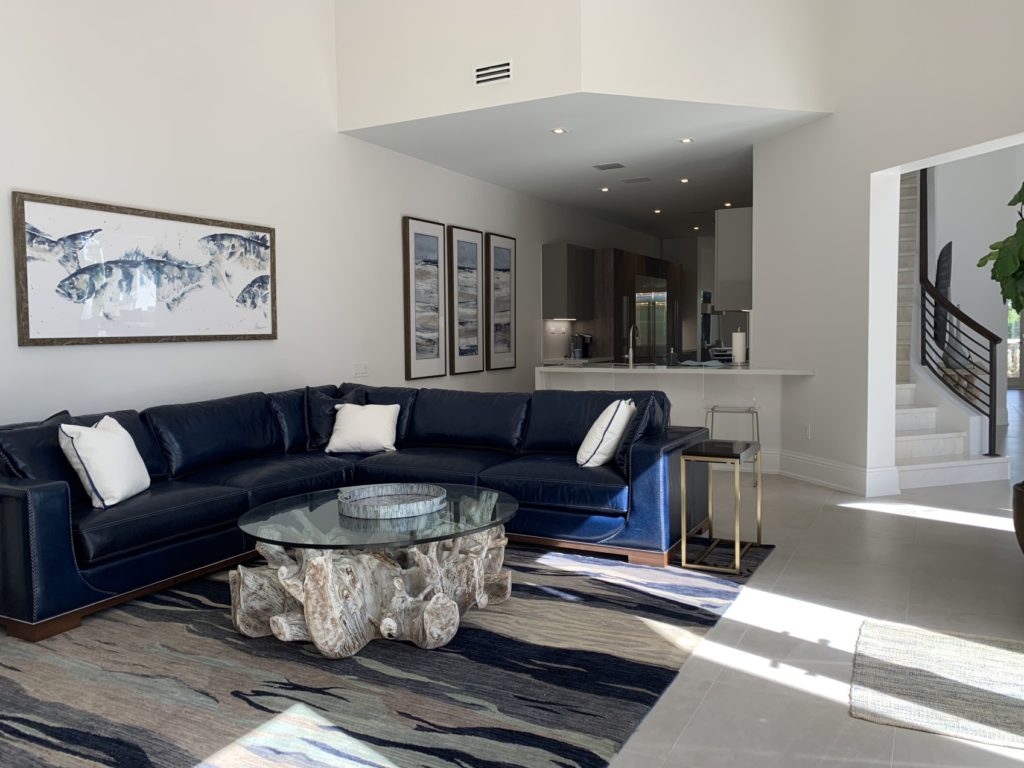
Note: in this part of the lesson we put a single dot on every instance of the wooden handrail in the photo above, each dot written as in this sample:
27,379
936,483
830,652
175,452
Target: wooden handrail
955,311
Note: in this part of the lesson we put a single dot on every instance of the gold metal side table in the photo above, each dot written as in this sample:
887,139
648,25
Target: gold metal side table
713,452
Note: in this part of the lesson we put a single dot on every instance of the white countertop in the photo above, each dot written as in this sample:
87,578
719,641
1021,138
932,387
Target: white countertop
685,371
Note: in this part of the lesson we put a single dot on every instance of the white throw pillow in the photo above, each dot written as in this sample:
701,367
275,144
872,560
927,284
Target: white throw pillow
603,439
363,428
106,460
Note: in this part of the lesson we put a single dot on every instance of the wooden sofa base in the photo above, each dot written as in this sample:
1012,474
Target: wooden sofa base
635,556
40,630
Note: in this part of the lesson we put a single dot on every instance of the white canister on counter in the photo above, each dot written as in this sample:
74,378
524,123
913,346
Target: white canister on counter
739,347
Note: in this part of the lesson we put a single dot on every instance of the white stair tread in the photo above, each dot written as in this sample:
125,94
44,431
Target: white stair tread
906,385
919,434
953,460
915,408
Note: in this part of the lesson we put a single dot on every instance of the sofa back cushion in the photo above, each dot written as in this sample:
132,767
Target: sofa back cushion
560,419
290,408
404,397
7,468
35,453
495,420
194,435
321,415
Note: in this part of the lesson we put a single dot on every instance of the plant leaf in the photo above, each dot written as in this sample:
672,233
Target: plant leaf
1008,260
1018,199
988,258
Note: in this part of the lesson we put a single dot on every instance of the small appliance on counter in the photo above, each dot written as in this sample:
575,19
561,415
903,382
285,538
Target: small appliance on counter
581,345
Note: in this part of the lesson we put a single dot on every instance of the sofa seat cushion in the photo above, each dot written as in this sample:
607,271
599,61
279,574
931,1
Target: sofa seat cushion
274,477
426,465
555,480
171,510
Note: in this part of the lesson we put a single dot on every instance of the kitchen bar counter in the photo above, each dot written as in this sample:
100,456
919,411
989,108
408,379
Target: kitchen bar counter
733,370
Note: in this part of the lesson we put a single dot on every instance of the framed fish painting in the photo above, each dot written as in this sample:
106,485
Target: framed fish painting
501,301
91,273
426,307
465,300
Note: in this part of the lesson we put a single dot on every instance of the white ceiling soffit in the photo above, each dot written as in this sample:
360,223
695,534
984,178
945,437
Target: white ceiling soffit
513,146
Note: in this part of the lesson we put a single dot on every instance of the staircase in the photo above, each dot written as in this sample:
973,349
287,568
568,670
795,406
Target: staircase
926,454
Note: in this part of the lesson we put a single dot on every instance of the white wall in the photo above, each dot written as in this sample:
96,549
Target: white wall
968,206
745,52
400,60
907,88
229,110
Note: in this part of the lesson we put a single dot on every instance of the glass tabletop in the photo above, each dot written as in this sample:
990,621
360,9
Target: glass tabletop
314,520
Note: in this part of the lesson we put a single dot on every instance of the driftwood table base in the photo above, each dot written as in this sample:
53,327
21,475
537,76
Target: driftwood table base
342,599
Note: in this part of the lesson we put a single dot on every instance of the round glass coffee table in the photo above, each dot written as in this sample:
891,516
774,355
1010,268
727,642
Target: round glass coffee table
340,582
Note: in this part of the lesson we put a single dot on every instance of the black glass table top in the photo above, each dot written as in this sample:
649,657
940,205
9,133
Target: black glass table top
743,450
314,520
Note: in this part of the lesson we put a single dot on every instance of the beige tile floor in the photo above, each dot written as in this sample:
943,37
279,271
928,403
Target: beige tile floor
769,685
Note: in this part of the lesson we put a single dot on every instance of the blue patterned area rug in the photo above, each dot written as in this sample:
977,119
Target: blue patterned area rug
558,676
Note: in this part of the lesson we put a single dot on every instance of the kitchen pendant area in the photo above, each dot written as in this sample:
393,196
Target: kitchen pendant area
690,304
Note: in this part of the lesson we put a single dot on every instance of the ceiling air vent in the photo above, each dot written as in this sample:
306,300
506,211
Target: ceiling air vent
609,166
493,73
637,180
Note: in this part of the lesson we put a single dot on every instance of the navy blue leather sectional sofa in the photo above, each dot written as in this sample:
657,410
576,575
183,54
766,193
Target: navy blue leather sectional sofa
211,461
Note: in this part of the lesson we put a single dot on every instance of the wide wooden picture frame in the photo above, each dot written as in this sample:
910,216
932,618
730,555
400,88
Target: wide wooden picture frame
501,301
425,298
466,305
93,273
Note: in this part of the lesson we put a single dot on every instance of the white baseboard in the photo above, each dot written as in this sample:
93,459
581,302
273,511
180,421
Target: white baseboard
971,470
883,481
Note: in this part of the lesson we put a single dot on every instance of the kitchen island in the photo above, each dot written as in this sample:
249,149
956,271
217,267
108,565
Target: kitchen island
694,389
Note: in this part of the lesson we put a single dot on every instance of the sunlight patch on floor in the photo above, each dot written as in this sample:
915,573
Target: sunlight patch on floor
937,514
799,619
773,671
297,736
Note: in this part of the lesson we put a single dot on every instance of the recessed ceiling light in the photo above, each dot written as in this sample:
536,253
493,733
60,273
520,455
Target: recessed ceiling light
728,205
696,229
657,210
684,181
686,140
559,131
604,189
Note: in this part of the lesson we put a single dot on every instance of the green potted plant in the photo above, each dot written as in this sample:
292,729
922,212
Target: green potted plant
1007,260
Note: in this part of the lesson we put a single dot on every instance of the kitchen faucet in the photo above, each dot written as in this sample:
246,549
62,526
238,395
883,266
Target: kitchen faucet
633,332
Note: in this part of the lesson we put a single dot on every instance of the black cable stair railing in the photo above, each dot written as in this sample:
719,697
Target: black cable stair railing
960,351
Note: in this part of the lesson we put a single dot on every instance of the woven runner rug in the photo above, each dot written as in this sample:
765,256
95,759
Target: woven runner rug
965,686
559,675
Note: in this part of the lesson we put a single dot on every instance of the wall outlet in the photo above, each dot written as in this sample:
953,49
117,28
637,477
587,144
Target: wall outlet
807,431
360,370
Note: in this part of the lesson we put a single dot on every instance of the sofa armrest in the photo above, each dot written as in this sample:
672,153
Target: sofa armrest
39,577
654,488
